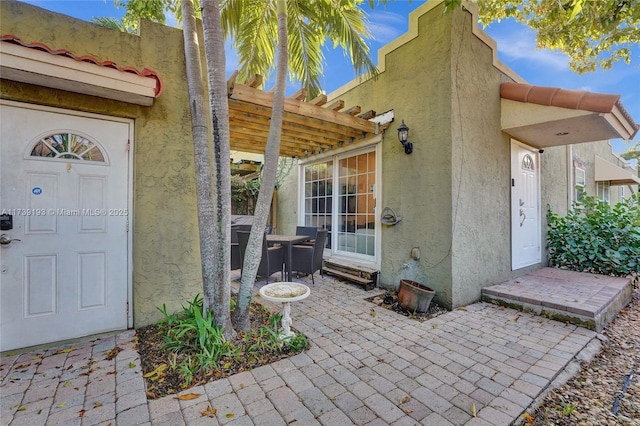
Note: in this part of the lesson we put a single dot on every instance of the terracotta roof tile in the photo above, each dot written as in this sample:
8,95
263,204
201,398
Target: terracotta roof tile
145,72
554,96
563,98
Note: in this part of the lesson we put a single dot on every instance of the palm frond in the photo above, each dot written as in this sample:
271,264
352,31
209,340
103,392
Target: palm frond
114,24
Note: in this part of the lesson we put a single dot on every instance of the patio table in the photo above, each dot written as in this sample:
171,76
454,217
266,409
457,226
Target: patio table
287,240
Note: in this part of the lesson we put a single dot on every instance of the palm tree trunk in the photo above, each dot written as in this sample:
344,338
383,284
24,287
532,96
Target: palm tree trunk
217,293
202,151
269,171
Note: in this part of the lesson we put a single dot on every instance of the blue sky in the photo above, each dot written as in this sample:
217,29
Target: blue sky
516,48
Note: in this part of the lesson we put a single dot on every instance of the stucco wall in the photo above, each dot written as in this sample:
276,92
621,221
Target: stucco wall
481,168
165,246
416,85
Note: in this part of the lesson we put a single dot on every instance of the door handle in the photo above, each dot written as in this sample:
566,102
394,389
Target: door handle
6,240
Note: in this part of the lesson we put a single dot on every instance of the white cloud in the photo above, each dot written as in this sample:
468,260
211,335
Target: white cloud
521,46
386,26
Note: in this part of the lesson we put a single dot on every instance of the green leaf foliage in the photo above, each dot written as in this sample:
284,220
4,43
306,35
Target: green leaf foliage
596,237
252,28
591,32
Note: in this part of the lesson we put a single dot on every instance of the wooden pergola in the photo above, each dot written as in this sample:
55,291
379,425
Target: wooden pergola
308,127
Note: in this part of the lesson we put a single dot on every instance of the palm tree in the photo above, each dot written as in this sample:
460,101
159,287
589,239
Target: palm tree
213,224
253,253
256,26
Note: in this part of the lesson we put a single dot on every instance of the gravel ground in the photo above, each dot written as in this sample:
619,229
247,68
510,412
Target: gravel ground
588,397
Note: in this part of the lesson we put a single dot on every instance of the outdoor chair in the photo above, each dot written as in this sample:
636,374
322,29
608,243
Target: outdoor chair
308,259
236,256
272,257
311,231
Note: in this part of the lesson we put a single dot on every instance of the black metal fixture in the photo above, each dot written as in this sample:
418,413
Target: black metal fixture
403,136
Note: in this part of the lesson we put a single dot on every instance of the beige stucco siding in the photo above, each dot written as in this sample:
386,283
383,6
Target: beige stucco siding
165,246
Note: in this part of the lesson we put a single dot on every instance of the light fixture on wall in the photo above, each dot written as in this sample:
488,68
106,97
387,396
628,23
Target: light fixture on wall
403,136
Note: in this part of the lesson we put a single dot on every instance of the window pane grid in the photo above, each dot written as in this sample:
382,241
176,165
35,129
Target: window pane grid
318,189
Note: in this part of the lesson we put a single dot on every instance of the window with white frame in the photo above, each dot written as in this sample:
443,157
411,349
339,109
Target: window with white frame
339,195
603,191
580,179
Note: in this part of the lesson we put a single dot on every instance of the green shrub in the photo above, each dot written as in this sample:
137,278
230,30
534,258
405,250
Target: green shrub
598,238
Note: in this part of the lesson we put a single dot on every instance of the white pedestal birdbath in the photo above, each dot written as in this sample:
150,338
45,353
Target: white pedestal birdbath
285,293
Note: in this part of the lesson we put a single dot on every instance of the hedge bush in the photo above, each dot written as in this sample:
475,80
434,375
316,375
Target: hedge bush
598,238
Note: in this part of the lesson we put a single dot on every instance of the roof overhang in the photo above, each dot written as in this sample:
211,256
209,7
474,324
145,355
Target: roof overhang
615,175
547,116
308,128
40,65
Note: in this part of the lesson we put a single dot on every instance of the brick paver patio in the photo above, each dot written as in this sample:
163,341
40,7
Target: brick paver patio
364,367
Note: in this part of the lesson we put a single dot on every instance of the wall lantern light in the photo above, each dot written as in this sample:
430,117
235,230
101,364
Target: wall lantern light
403,136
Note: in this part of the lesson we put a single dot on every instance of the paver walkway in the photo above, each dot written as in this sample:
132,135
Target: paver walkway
366,366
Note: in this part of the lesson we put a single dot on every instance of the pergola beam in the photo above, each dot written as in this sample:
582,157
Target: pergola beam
308,127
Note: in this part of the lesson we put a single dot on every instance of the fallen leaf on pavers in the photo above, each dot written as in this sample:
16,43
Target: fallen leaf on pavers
188,396
63,351
132,365
157,373
111,372
22,366
516,318
36,358
502,308
229,415
209,412
408,411
22,408
97,404
373,312
62,404
151,395
112,353
405,400
529,419
66,384
461,308
473,410
434,325
81,413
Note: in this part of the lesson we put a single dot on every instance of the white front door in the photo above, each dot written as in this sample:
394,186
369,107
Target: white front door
525,207
64,186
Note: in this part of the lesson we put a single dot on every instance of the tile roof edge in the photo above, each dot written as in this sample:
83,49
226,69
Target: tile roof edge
145,72
564,98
